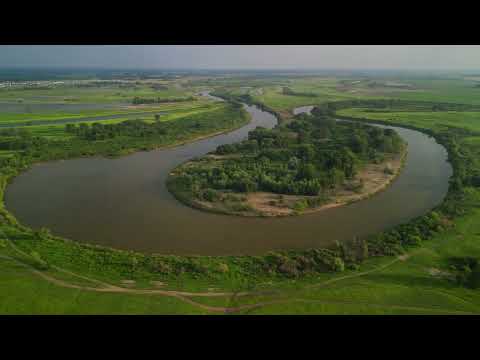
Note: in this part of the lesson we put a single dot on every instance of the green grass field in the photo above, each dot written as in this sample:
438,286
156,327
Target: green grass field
426,120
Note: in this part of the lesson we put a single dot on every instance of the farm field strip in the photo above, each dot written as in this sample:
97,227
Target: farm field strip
9,119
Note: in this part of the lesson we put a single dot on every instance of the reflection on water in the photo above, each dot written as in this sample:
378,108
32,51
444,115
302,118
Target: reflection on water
124,203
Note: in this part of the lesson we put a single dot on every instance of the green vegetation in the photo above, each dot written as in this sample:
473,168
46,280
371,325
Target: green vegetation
138,100
428,266
92,92
312,156
288,91
114,139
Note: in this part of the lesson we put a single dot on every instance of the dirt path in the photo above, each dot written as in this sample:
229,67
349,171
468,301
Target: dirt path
382,267
186,296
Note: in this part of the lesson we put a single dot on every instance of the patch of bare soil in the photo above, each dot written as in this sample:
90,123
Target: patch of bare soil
157,284
128,282
285,114
270,205
403,257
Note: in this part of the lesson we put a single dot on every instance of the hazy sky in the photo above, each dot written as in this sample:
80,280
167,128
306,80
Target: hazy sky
245,56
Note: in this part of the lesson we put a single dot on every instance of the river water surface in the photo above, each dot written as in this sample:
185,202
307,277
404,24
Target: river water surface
123,203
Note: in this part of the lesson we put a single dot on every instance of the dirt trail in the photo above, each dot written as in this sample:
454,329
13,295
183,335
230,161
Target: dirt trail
186,296
378,268
108,288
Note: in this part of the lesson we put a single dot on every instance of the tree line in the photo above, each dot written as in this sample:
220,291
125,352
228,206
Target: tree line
142,100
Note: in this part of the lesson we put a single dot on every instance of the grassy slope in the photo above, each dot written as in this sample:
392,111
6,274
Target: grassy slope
25,293
404,287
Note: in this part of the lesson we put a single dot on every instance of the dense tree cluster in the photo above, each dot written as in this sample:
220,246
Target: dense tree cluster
231,115
288,91
133,128
110,139
141,100
159,87
306,157
391,105
19,139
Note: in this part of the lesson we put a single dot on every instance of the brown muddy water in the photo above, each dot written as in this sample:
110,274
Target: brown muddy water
123,203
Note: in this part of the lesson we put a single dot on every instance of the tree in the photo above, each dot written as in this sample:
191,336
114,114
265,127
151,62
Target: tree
43,233
358,144
306,172
348,163
306,152
70,128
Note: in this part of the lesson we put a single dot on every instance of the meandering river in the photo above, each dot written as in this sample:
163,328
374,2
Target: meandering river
123,203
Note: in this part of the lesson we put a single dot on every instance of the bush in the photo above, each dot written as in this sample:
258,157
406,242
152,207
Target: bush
239,207
38,262
210,195
289,268
161,267
388,170
338,264
353,266
300,205
43,233
223,268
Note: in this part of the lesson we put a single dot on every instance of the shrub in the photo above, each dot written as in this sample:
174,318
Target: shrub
414,240
38,262
239,207
353,267
300,205
289,268
161,267
223,268
338,264
43,233
210,195
388,170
